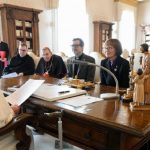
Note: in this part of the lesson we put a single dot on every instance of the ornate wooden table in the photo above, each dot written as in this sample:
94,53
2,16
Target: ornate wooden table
107,124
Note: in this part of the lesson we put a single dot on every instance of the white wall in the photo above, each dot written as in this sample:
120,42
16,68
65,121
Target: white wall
38,4
99,10
142,19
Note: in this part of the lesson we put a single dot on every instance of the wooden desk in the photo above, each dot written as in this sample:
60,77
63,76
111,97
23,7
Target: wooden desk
103,125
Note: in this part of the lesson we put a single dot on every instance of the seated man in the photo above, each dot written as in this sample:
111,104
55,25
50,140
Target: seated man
51,65
22,63
80,71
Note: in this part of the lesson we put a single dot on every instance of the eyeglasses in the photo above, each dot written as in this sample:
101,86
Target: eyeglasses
109,48
75,45
46,54
23,50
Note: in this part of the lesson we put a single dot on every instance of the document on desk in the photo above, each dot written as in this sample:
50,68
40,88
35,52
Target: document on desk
10,75
80,100
24,92
51,92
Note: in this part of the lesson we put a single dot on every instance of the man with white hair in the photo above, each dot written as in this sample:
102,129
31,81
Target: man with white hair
51,65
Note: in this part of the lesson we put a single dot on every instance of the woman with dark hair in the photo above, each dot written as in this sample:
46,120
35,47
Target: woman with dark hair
116,64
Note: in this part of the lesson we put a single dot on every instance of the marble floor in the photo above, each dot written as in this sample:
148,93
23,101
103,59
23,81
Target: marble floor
46,142
39,142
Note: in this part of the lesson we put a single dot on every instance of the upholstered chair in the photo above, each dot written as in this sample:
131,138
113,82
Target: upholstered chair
35,58
63,55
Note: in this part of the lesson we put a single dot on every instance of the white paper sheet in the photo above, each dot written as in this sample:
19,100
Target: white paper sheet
80,100
51,92
10,75
24,92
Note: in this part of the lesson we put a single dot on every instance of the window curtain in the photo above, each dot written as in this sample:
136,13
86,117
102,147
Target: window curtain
126,25
48,25
73,22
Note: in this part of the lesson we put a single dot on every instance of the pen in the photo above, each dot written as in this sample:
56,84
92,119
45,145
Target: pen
62,92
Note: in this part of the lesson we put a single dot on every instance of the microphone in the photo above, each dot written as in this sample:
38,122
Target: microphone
105,95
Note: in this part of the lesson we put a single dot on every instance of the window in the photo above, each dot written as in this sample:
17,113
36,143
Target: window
72,23
127,30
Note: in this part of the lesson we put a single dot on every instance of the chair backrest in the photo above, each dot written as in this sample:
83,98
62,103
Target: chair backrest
137,64
35,58
125,54
98,57
63,56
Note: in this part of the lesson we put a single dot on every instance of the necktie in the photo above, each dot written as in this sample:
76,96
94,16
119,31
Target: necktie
111,63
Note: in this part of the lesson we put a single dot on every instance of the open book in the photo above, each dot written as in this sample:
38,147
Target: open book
51,92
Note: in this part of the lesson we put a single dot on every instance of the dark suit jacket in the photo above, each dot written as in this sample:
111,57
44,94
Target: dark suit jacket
4,47
120,69
21,64
57,67
84,71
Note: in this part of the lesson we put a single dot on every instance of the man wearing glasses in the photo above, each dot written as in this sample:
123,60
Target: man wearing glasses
80,71
22,63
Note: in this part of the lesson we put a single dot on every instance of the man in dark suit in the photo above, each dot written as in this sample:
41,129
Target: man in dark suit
21,63
51,65
80,71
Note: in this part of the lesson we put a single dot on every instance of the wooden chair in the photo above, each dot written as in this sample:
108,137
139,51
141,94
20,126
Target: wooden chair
18,125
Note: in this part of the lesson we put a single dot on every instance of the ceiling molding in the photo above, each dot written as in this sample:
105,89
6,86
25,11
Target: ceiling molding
129,2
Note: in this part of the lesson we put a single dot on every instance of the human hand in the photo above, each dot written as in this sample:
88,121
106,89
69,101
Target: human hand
20,74
45,74
15,108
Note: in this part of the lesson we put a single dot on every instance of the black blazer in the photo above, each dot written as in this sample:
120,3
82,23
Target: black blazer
57,67
84,71
120,68
21,64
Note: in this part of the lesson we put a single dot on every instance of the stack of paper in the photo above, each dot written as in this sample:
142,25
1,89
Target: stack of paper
80,100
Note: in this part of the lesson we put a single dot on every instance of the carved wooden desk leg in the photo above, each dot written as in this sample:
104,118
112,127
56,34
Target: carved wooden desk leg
24,139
